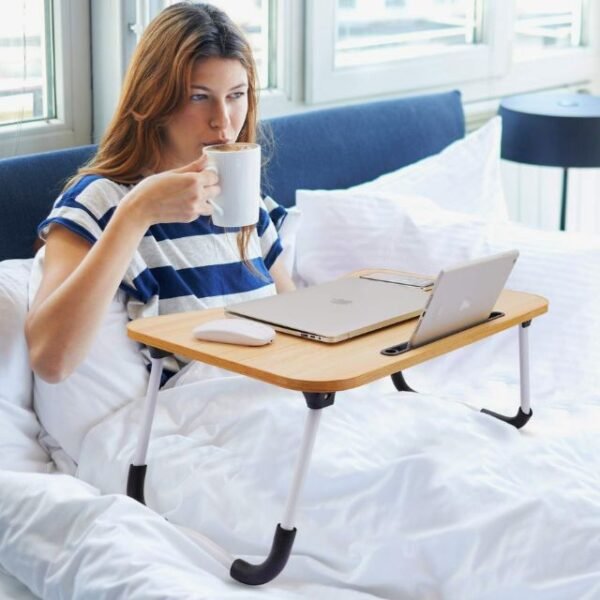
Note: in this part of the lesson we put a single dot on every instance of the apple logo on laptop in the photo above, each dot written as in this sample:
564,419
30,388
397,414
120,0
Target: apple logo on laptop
464,305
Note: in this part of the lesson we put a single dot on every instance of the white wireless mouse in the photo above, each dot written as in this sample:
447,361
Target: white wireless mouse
235,331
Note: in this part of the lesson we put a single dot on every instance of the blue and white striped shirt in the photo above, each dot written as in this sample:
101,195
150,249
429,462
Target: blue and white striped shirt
177,266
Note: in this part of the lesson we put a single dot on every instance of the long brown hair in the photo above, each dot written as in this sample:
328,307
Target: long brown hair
157,84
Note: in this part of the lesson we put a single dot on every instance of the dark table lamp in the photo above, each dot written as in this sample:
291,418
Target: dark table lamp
552,130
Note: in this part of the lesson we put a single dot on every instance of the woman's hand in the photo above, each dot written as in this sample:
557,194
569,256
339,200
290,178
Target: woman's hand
176,196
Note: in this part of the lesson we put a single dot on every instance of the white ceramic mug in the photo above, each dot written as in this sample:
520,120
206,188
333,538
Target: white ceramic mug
238,166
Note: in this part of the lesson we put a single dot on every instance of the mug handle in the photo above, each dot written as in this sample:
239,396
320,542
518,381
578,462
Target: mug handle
216,207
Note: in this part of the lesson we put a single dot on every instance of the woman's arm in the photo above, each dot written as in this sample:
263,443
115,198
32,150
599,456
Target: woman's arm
282,279
80,280
78,284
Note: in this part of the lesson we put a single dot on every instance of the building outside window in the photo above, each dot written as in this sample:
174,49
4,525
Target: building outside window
255,18
308,52
45,82
26,62
542,27
379,31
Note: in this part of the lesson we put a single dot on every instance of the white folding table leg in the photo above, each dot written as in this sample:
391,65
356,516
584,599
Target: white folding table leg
525,412
308,441
285,531
284,534
141,450
524,368
137,470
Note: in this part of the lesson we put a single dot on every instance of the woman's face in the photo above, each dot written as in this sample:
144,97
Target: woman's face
214,112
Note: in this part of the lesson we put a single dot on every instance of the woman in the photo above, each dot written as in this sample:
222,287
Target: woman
137,217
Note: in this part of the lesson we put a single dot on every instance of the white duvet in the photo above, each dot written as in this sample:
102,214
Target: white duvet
408,496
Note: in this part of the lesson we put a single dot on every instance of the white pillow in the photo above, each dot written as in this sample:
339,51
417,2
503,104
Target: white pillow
112,374
349,231
346,231
19,427
464,177
15,373
288,234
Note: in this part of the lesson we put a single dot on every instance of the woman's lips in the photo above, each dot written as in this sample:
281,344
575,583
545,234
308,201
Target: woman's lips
217,142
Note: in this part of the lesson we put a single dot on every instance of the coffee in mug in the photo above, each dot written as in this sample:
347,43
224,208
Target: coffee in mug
238,167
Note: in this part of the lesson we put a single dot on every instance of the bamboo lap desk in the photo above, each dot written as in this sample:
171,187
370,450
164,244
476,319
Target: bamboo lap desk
318,370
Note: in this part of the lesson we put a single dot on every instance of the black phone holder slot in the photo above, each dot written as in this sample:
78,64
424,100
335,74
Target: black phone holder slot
405,346
395,350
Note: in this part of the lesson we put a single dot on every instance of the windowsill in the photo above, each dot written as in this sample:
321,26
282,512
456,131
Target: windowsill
39,136
31,127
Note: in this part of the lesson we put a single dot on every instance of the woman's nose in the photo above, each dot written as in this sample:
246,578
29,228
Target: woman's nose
220,116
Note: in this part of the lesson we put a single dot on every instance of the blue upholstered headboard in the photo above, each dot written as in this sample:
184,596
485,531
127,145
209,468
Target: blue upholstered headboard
339,147
328,149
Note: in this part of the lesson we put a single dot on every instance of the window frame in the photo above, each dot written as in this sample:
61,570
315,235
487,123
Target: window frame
483,72
569,69
584,7
114,38
72,87
290,43
297,27
325,83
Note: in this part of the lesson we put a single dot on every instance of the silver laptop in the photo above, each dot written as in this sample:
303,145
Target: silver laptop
336,311
462,296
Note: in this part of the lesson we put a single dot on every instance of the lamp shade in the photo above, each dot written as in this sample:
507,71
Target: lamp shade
555,130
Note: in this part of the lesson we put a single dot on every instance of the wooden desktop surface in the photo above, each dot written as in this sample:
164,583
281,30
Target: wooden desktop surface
309,366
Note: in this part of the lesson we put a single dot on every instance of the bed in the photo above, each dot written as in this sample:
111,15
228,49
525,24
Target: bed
410,495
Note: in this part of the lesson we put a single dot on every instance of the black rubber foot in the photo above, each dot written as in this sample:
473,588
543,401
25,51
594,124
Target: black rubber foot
244,572
518,421
156,353
135,482
318,400
400,383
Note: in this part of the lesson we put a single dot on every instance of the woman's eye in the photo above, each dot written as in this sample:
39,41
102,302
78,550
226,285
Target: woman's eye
238,95
199,97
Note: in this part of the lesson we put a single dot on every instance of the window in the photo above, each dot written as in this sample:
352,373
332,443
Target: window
380,47
45,83
486,48
307,51
122,23
256,18
378,31
26,62
542,26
